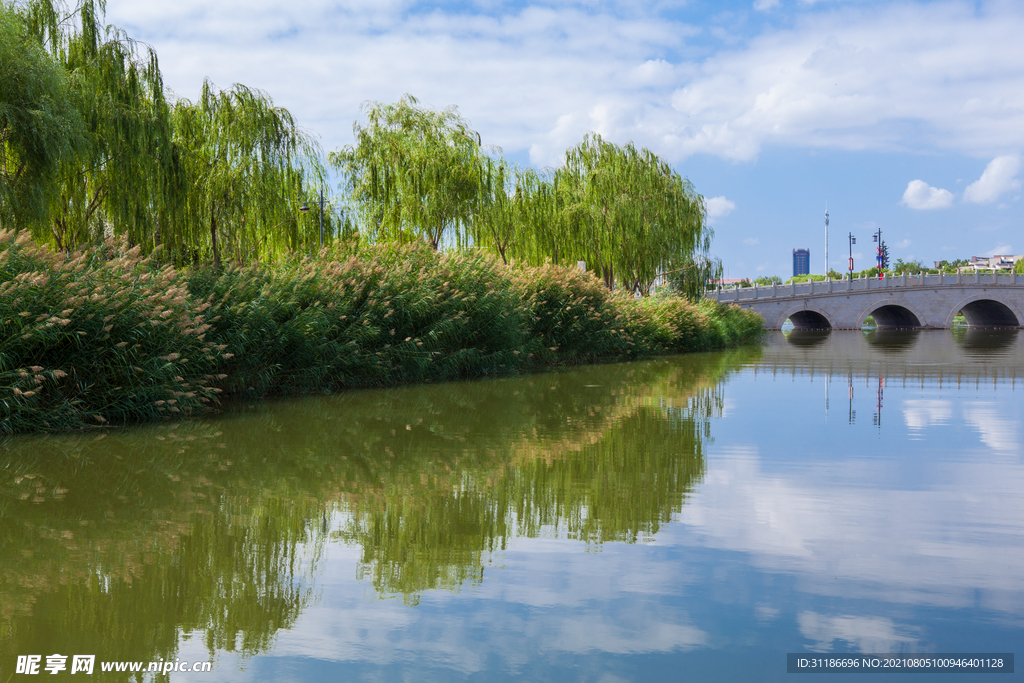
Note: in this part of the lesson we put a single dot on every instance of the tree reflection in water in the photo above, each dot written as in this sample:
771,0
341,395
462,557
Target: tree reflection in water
121,542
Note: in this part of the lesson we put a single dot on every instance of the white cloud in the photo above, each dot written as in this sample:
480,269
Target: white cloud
911,76
999,177
864,633
719,207
996,431
927,76
654,72
852,538
922,413
920,195
903,244
751,241
999,249
765,5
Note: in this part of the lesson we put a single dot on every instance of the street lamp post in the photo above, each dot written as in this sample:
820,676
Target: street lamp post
853,241
305,209
877,237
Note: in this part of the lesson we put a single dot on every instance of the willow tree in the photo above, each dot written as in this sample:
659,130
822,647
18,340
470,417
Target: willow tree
416,172
504,215
120,178
628,213
544,230
246,167
40,125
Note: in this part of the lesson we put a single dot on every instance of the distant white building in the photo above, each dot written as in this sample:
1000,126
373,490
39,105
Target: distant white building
997,262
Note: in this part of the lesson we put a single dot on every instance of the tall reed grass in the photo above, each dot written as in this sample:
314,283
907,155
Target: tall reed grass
99,336
105,336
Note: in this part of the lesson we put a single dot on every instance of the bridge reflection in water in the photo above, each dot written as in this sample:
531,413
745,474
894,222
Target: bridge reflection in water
932,357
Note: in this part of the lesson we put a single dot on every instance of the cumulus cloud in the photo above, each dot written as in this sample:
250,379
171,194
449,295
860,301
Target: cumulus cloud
654,72
920,195
999,177
539,77
765,5
719,207
857,78
903,244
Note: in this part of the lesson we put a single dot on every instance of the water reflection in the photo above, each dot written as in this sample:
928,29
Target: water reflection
219,527
806,337
632,521
934,355
983,341
922,510
893,339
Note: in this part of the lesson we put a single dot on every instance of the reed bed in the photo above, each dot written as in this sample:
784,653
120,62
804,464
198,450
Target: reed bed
104,336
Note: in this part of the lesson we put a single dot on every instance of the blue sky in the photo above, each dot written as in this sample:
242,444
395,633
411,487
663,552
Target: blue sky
904,116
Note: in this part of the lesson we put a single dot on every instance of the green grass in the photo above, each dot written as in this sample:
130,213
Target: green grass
105,336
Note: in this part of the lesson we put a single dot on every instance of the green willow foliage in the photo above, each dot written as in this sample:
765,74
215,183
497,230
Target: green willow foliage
420,173
39,127
91,148
119,178
629,214
244,165
416,172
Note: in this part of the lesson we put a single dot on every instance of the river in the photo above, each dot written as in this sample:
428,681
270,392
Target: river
687,518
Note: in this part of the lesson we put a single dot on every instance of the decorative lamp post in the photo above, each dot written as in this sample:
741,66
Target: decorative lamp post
877,237
304,209
853,241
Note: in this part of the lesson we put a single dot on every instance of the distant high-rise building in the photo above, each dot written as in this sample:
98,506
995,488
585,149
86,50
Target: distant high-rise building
801,262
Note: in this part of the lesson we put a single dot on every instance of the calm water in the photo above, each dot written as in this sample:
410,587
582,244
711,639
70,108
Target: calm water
692,518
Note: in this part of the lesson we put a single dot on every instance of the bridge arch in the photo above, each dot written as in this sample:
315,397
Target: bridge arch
988,309
891,315
807,317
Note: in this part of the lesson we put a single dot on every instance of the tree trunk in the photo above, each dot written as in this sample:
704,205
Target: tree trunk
609,277
213,237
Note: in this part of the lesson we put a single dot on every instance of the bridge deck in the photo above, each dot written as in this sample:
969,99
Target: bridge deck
845,286
929,301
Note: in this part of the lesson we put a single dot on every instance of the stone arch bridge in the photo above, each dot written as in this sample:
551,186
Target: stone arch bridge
924,301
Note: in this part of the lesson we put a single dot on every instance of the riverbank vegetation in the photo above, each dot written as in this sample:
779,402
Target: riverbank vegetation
108,336
156,252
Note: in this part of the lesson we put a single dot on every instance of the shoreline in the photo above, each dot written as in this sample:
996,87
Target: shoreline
105,337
